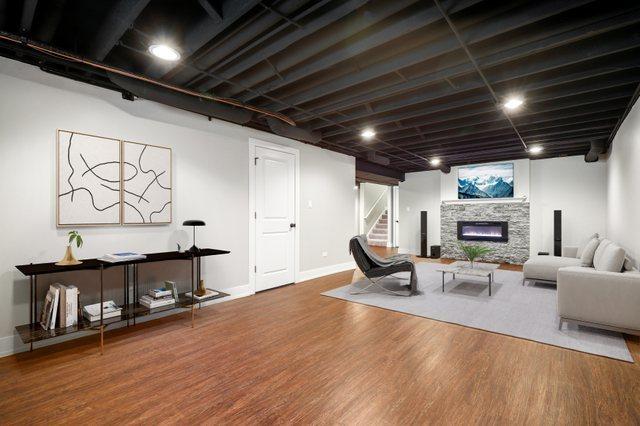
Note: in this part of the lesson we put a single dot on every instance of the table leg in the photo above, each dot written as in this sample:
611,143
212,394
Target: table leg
193,314
443,281
32,303
490,279
101,310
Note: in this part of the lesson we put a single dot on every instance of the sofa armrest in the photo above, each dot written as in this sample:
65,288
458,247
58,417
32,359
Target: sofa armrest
607,298
570,251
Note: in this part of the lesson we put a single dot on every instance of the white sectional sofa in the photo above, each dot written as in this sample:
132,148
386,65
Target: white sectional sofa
597,285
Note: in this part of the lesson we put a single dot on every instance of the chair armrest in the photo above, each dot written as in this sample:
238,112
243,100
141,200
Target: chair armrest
608,298
570,251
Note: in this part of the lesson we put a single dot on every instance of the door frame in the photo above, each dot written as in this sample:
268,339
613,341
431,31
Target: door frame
253,143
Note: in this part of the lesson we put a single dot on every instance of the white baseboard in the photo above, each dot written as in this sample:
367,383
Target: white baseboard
325,270
10,345
234,293
403,250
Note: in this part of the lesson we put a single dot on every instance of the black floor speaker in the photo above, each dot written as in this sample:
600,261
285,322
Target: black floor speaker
423,234
557,232
435,252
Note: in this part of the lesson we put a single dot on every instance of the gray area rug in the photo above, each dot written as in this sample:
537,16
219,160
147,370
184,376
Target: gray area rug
528,312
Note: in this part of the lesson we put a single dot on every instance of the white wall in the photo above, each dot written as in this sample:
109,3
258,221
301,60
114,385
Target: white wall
419,191
573,186
568,183
210,181
623,185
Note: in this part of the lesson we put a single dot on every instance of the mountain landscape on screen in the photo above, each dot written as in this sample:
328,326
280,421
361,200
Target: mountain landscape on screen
487,181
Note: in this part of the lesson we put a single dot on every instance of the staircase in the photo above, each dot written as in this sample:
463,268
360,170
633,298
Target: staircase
378,235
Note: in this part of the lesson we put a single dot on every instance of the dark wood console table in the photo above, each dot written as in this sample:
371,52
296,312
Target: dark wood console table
33,332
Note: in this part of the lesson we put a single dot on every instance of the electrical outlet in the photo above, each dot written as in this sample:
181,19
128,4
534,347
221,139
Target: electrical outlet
325,254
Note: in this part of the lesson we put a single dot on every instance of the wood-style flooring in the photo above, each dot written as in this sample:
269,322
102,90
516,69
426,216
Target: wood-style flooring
291,355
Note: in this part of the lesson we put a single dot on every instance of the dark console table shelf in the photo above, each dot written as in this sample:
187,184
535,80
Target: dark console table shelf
131,309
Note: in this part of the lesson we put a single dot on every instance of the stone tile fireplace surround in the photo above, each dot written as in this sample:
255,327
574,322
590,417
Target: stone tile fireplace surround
517,214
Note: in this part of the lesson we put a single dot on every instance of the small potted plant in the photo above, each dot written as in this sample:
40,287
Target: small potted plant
69,258
473,252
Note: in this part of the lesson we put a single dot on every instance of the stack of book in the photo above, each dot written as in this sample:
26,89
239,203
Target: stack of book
60,307
109,310
122,257
158,297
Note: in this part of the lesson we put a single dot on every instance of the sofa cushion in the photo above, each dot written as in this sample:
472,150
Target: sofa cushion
589,251
546,267
597,256
584,243
611,260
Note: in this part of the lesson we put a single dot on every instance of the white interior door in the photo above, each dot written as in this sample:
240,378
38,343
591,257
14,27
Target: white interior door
275,218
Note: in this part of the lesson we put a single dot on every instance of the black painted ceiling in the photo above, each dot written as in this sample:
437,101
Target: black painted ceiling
430,77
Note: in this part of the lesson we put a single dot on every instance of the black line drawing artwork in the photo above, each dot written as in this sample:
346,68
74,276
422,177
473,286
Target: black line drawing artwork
85,164
146,184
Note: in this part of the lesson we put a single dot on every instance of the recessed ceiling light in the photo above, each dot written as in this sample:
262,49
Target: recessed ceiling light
434,161
164,52
368,133
536,149
513,103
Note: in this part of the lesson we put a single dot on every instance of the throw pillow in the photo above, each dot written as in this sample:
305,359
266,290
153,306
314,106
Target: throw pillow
628,265
599,252
612,259
584,243
589,250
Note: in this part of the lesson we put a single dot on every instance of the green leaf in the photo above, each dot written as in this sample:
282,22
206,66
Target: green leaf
79,240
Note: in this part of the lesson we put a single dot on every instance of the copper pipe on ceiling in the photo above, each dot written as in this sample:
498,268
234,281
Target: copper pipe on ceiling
73,58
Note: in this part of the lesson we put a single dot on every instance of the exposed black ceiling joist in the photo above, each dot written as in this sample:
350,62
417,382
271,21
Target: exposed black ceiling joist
115,24
28,13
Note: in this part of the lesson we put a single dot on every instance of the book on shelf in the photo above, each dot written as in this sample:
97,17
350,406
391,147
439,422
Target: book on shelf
109,310
68,305
151,302
157,293
122,257
208,294
171,286
47,310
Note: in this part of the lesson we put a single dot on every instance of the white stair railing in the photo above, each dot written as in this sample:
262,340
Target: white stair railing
376,210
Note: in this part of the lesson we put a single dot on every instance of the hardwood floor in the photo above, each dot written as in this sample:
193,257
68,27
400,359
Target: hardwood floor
291,355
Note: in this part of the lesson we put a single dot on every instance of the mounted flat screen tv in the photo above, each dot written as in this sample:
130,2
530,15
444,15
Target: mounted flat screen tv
486,181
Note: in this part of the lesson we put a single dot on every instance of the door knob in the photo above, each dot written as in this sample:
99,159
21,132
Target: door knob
292,225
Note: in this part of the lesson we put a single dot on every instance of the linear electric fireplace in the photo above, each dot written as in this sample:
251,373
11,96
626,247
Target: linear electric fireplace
483,231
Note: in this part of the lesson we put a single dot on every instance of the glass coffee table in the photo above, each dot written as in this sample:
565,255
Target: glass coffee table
481,270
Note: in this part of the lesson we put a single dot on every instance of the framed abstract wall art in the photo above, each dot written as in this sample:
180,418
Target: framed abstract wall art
146,184
104,181
88,180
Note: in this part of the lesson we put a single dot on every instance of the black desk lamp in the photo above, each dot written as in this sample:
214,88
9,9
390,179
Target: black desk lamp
194,223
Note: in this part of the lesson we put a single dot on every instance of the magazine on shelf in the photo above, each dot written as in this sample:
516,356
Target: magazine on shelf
122,257
109,309
151,302
157,293
208,294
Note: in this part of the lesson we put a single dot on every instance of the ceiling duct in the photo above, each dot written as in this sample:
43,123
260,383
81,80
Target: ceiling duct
182,101
597,148
298,133
374,157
